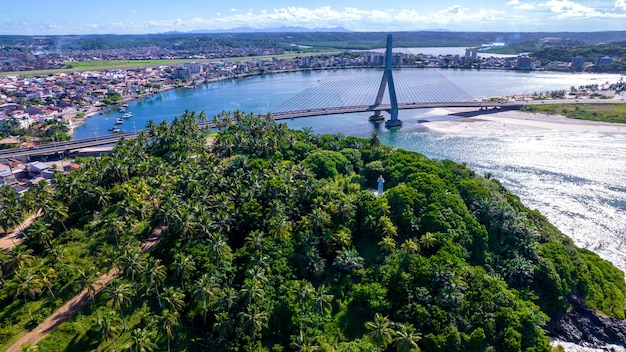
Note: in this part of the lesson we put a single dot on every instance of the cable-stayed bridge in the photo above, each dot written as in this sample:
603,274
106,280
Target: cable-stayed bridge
356,91
363,90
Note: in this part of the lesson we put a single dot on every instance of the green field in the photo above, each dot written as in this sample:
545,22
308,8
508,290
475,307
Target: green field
615,113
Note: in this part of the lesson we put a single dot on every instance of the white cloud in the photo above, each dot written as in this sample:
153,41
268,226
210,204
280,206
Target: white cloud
520,6
565,9
457,17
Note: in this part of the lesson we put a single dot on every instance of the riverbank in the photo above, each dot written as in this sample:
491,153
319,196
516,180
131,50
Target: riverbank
501,122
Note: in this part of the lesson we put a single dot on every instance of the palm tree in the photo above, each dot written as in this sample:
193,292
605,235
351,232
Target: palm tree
202,116
167,323
406,339
280,227
109,256
387,227
120,296
141,341
380,332
25,283
348,260
409,246
302,294
57,211
375,140
40,232
318,219
38,196
114,226
183,266
323,303
154,276
87,279
223,325
174,298
184,222
108,326
220,247
132,261
21,257
428,241
254,321
300,343
387,244
251,291
227,298
255,240
11,213
47,277
101,196
205,293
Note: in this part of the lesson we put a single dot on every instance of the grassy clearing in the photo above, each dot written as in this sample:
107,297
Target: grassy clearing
615,113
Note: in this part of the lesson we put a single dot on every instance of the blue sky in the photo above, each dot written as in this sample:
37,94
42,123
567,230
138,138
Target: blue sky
37,17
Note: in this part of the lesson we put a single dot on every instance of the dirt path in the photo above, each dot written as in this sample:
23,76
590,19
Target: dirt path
13,239
75,304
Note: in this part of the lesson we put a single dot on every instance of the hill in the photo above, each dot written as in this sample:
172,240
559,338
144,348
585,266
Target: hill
275,241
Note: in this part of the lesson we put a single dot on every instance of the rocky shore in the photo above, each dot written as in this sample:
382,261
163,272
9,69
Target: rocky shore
586,328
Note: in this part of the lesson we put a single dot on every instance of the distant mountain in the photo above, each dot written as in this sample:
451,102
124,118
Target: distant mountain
283,29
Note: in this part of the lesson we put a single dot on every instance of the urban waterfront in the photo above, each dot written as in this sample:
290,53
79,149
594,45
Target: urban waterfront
575,178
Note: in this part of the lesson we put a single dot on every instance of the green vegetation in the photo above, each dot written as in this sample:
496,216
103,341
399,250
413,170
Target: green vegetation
615,113
51,130
275,242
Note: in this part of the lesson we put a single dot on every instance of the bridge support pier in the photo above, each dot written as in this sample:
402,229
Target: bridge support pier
393,123
377,116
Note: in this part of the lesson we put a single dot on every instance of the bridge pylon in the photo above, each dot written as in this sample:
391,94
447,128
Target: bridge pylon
387,81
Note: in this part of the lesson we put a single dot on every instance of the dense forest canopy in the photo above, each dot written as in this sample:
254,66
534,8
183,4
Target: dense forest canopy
273,239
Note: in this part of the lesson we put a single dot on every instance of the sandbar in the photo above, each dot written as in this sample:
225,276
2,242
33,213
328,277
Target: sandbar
498,122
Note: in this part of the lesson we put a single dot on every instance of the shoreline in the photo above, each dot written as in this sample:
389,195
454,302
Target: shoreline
73,122
481,123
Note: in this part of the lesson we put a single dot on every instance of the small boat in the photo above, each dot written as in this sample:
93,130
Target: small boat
128,115
116,130
121,109
119,121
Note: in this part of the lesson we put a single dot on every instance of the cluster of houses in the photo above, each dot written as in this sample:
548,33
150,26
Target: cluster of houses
22,56
20,174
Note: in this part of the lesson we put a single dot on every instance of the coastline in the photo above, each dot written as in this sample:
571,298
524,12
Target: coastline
480,123
468,122
74,122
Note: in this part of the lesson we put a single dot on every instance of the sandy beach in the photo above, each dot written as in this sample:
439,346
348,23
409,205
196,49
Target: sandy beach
471,122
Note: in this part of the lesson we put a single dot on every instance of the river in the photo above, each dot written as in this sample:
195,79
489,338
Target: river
576,179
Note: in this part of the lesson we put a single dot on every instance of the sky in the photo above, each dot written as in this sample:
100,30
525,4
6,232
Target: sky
55,17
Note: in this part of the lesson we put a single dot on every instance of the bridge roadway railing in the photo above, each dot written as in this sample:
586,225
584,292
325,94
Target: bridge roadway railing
281,115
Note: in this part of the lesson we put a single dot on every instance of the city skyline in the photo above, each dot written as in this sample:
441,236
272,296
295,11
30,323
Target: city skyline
144,17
